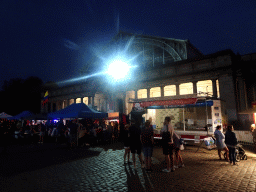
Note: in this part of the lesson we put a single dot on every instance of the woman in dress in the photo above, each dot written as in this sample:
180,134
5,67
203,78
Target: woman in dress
177,144
220,141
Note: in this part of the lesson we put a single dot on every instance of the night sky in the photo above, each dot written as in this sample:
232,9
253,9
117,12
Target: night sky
54,39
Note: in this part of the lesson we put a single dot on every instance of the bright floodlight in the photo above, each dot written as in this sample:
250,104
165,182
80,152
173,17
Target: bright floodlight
118,69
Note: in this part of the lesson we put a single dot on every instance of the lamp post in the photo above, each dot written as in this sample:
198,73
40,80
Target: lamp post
206,116
207,93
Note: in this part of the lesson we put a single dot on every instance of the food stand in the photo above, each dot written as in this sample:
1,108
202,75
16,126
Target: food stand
193,119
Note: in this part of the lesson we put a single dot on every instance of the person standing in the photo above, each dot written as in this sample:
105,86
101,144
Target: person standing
127,144
41,128
110,132
231,142
220,141
134,132
73,133
4,137
177,144
115,130
167,143
147,140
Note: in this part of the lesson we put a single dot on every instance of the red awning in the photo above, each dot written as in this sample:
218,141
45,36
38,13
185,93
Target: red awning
173,102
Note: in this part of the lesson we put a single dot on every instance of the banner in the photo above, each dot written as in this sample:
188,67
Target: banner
174,102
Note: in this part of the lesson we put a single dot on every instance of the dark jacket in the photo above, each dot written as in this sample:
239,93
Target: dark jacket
230,138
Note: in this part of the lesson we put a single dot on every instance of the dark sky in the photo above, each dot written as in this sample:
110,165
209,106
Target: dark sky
53,39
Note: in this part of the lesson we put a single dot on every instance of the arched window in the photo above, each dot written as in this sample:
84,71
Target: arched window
170,90
204,88
130,95
155,92
71,101
142,93
186,88
85,100
78,100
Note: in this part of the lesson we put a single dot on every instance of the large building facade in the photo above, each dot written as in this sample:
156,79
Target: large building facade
172,78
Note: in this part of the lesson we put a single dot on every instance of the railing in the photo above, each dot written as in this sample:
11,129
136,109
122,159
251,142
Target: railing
244,137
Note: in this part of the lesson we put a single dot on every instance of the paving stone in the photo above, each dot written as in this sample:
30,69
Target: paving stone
105,172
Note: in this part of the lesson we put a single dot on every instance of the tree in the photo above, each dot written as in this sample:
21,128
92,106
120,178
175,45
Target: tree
19,95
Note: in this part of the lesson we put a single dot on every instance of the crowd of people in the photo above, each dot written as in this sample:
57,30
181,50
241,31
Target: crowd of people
74,132
138,140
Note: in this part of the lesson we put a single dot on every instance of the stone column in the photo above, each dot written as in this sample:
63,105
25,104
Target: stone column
177,89
92,100
136,94
214,88
162,91
56,105
148,93
195,87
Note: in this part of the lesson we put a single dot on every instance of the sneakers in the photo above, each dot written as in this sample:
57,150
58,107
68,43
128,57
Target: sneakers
166,170
180,166
129,163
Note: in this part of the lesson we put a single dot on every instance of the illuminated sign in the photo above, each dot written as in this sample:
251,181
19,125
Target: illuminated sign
115,114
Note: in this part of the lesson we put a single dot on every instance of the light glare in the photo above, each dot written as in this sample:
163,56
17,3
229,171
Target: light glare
118,69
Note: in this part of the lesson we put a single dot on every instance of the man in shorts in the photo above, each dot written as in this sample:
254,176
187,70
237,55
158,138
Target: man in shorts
147,139
168,145
135,145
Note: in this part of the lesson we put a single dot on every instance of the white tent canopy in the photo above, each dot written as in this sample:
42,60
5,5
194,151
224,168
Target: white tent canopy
4,115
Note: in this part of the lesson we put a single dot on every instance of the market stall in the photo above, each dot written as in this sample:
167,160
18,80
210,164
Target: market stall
21,116
193,119
4,115
77,110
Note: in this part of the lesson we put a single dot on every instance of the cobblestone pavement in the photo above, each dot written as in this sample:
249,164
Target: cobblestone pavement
101,169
